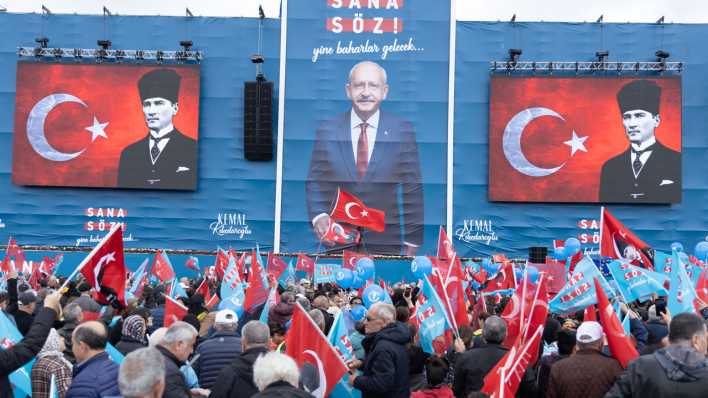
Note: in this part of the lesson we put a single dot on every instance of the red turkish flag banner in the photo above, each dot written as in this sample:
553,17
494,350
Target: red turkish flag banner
517,310
550,136
446,251
13,255
276,265
702,286
539,310
306,264
72,121
349,259
590,313
221,263
162,268
257,291
305,342
618,241
104,268
204,290
341,234
352,210
174,311
504,279
456,293
620,345
555,274
504,379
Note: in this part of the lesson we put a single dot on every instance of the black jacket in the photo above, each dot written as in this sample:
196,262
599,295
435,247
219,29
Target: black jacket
675,371
26,350
658,182
214,355
175,168
472,366
126,345
236,380
281,389
175,385
386,363
23,320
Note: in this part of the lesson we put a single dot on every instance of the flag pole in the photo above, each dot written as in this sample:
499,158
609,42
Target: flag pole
602,226
89,256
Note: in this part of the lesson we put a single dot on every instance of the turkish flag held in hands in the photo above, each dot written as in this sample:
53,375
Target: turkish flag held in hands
618,241
560,131
352,210
104,268
92,111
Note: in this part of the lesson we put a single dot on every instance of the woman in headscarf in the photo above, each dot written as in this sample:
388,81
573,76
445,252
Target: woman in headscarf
51,361
133,334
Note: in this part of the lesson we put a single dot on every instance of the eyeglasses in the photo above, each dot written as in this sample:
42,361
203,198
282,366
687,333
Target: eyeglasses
370,319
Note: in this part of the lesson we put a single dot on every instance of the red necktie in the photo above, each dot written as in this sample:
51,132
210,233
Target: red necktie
362,152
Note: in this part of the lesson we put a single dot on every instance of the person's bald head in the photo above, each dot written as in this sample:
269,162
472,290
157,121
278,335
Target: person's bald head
88,339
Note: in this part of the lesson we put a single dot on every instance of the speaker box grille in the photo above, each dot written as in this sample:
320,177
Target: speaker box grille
258,120
537,254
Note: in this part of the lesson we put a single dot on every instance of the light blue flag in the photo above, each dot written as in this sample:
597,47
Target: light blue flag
626,325
178,290
270,301
681,291
326,273
636,283
115,355
288,276
9,336
138,277
431,317
662,263
53,392
339,338
234,301
579,290
231,279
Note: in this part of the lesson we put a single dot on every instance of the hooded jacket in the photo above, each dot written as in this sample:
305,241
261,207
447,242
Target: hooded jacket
386,363
236,380
675,371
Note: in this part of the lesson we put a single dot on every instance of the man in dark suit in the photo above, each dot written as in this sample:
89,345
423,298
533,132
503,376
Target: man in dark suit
647,172
374,156
165,158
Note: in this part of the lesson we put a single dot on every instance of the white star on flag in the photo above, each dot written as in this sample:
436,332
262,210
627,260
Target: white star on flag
364,213
576,143
97,129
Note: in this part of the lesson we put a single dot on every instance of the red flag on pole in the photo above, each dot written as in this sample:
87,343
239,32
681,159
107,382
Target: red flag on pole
446,251
349,259
702,286
305,342
503,280
174,311
13,253
306,264
257,291
162,268
590,313
516,311
504,379
221,263
204,290
352,210
618,241
276,265
620,345
456,293
104,268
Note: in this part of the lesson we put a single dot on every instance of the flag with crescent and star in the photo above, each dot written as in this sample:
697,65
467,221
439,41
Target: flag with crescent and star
550,136
352,210
618,241
104,268
73,120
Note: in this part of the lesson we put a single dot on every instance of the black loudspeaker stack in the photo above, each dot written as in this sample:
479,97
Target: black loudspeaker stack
258,120
537,254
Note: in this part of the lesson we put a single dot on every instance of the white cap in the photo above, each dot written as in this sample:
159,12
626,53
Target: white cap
589,332
226,316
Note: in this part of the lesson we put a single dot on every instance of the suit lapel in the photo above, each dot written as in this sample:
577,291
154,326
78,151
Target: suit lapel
380,146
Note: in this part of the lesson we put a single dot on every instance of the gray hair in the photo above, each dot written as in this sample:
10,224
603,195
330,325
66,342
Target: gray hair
140,372
72,312
179,331
318,318
304,302
494,330
287,297
273,367
385,311
383,71
256,334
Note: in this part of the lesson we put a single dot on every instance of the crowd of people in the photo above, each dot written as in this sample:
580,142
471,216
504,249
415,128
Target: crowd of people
217,353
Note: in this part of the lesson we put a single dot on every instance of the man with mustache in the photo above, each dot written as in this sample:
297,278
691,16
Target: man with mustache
374,156
647,172
164,158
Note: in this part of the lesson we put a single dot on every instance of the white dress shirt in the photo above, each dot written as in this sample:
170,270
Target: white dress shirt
644,156
162,144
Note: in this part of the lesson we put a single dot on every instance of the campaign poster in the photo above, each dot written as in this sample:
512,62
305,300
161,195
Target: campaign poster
585,139
366,114
106,125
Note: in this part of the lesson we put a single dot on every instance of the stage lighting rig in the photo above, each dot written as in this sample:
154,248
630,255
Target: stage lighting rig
102,52
514,54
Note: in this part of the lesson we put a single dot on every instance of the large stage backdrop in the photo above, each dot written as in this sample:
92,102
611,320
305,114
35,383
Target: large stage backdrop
521,142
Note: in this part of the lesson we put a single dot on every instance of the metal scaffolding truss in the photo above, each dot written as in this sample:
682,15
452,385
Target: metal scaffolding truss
585,66
100,54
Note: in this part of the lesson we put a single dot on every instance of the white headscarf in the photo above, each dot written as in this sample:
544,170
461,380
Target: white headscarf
51,347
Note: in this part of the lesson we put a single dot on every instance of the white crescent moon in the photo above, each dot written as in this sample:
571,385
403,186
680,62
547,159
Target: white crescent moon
512,142
320,391
347,209
35,127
